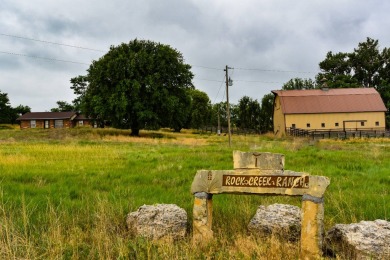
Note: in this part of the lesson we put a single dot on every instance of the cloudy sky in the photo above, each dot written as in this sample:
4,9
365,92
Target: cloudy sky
44,43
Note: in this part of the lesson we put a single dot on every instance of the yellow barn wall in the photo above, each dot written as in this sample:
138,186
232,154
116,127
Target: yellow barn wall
330,120
278,119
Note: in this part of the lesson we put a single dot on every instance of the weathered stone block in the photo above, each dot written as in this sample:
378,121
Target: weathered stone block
158,221
363,240
257,160
281,220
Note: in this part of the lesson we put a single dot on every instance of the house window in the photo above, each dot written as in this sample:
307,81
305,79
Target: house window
377,123
58,123
308,125
336,124
33,123
322,124
361,123
81,123
292,125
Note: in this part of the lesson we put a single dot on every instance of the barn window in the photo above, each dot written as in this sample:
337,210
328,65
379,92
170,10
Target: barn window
361,123
377,123
33,124
336,124
81,123
322,124
307,125
292,125
58,123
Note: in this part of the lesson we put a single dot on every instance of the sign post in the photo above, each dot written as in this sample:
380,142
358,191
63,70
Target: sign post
262,173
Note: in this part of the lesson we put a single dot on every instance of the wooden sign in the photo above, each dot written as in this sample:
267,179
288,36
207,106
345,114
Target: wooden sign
262,173
266,181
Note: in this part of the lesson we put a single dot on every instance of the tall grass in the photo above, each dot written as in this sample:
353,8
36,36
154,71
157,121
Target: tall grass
66,193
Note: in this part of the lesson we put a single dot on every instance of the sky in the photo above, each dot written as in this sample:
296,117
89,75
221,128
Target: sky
45,43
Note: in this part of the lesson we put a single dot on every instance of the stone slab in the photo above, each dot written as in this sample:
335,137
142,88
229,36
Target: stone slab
257,160
259,182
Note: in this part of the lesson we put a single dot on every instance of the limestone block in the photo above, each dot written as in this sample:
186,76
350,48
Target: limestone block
363,240
158,221
312,227
202,218
257,160
277,219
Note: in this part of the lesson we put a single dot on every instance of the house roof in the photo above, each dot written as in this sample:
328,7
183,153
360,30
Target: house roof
47,115
342,100
82,117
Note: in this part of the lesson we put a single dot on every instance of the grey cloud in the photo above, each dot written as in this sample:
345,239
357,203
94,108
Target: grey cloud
274,35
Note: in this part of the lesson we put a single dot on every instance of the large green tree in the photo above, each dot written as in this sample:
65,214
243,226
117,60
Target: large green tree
79,86
200,115
248,113
298,83
6,110
18,111
366,66
8,114
136,85
63,106
266,113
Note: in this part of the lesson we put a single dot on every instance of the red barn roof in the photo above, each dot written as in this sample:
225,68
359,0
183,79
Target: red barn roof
341,100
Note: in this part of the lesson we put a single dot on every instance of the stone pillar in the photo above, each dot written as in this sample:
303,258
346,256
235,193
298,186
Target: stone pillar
202,217
312,229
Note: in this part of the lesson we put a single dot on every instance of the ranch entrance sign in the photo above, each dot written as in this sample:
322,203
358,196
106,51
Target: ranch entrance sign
262,173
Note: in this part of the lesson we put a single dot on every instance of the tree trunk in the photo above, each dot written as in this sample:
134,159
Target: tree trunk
134,132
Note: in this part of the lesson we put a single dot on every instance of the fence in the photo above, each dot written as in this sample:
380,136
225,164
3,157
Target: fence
339,133
224,130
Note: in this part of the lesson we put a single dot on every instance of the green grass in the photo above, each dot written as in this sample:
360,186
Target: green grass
66,193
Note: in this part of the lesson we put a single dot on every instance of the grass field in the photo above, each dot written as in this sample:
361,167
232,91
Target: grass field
65,193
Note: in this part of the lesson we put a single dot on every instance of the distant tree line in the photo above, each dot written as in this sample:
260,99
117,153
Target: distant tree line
8,114
147,85
366,66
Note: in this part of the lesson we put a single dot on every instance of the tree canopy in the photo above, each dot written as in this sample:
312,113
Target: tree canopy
248,113
366,66
266,113
8,114
63,106
298,83
200,114
137,85
5,109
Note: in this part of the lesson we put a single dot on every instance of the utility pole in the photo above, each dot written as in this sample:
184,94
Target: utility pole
219,123
229,82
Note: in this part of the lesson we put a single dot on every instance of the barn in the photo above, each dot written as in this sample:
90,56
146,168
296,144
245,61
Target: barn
53,120
325,109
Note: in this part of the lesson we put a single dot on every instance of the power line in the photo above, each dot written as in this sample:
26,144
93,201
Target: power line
204,67
258,81
219,89
198,66
214,80
246,81
43,58
83,63
55,43
91,49
274,70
